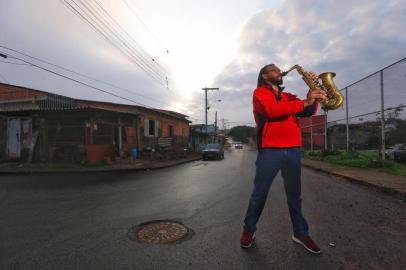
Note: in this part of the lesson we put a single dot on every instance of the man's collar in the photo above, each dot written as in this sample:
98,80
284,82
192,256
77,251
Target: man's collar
280,88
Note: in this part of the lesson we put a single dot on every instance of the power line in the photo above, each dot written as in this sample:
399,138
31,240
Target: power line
161,71
115,21
79,82
19,64
241,123
104,29
146,27
74,72
122,30
104,35
101,18
101,27
197,120
85,84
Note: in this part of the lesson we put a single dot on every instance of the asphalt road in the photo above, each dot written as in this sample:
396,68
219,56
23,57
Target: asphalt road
81,221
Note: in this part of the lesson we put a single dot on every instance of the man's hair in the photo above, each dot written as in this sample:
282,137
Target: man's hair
261,81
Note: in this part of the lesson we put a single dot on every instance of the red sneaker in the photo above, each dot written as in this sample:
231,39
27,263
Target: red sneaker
307,242
246,239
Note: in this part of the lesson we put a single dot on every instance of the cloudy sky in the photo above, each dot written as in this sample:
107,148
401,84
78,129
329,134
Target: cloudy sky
161,53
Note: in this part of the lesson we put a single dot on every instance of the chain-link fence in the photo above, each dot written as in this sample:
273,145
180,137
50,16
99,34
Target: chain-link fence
372,119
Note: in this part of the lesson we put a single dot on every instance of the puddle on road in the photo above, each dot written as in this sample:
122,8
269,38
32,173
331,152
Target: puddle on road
200,164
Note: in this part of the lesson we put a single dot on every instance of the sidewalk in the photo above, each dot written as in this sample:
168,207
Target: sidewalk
384,181
123,165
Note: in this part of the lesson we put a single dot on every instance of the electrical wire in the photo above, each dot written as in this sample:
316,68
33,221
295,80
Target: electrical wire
106,37
102,19
146,27
77,81
100,26
115,21
113,38
19,64
161,71
75,72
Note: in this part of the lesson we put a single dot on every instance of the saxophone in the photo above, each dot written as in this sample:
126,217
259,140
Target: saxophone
334,98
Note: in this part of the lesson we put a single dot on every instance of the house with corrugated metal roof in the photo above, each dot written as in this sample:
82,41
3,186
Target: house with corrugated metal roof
41,126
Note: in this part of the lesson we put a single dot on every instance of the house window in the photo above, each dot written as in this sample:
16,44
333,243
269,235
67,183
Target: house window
183,135
170,131
151,128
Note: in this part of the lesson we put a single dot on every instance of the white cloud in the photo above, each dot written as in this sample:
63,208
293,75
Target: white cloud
350,38
198,34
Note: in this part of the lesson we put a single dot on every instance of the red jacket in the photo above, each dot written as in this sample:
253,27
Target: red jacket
276,120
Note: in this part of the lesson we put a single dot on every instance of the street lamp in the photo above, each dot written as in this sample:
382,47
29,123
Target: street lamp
3,55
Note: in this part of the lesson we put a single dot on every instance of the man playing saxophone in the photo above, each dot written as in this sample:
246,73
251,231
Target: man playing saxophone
279,142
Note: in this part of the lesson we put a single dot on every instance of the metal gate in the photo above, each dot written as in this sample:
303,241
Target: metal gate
13,137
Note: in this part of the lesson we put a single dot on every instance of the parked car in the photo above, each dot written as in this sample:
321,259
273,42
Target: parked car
400,154
390,150
213,150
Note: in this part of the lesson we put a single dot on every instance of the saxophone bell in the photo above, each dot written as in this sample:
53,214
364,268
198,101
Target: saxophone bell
334,99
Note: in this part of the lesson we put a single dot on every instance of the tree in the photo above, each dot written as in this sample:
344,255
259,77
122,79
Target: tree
242,133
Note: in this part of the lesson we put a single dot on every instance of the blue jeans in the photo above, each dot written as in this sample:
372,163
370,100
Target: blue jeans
269,162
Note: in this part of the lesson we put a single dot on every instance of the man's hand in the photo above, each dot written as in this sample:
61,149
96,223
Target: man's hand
313,95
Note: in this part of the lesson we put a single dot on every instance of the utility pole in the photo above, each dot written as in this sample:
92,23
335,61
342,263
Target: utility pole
205,89
224,121
215,124
325,130
382,120
311,133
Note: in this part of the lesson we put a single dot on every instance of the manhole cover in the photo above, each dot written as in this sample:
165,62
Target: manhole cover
161,232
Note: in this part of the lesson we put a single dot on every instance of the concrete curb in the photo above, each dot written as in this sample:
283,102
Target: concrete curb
96,170
357,181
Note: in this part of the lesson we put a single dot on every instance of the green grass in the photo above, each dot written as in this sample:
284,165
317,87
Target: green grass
361,159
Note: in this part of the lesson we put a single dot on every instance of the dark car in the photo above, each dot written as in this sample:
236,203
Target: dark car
213,151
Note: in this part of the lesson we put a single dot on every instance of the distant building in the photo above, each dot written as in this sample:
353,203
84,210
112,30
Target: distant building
199,137
41,126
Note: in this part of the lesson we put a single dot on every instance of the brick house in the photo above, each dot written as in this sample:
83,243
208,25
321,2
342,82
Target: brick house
41,126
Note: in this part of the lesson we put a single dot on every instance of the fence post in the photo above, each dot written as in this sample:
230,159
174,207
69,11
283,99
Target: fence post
382,120
347,130
325,130
311,133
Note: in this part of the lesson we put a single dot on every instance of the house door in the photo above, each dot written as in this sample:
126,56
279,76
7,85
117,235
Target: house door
13,137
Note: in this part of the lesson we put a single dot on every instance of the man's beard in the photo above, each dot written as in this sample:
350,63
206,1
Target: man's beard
276,81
